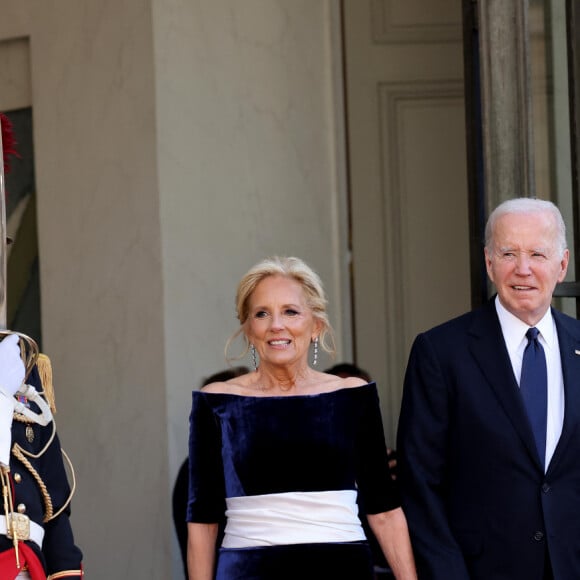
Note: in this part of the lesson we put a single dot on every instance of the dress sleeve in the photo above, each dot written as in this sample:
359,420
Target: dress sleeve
378,490
206,501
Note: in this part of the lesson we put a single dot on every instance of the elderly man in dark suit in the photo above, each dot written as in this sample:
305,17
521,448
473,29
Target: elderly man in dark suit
489,432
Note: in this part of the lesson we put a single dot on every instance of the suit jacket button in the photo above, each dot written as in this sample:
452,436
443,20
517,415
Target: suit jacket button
545,488
538,536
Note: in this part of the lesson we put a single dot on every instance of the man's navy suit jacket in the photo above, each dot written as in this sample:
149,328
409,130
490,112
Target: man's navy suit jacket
477,500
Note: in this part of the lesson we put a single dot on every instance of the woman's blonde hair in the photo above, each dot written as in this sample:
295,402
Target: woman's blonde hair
295,269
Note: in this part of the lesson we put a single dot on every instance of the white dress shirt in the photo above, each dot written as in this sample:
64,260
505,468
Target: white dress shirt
514,334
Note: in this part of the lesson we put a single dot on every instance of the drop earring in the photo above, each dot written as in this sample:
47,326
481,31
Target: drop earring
254,358
315,353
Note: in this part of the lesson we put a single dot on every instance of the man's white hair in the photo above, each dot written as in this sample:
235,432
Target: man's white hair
526,205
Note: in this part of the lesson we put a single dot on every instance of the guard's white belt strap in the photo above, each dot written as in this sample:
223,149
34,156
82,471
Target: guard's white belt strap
292,518
36,531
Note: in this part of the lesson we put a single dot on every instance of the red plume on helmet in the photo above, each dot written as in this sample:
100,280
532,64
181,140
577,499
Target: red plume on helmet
8,141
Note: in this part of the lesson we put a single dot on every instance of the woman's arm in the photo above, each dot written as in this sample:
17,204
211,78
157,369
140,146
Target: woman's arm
390,529
201,546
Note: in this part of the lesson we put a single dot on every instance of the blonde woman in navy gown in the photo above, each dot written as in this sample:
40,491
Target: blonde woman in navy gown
283,451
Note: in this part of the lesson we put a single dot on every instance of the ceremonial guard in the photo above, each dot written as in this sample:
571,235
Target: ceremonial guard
36,539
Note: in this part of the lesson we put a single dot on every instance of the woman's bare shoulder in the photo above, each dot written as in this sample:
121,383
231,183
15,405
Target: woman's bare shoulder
349,382
327,382
219,387
233,386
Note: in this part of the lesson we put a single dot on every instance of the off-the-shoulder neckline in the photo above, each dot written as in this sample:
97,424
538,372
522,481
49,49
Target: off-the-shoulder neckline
296,396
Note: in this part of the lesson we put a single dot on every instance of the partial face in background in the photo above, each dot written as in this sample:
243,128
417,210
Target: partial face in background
525,263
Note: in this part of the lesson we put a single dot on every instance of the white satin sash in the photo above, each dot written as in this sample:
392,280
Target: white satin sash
292,518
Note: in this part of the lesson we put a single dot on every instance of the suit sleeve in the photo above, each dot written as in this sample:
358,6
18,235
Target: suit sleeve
59,548
422,448
42,486
63,557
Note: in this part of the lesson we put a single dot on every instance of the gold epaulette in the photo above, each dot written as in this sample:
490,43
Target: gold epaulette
45,372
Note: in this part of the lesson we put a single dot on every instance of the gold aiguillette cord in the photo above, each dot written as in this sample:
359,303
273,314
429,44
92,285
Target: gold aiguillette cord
9,509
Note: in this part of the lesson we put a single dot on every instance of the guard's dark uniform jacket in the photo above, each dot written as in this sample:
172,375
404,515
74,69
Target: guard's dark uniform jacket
41,491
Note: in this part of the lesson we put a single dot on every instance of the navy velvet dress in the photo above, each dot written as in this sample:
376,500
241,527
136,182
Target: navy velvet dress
254,446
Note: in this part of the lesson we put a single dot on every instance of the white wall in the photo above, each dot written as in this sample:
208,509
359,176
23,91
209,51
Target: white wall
176,144
247,167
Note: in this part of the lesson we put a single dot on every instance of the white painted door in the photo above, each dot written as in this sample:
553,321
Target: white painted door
408,183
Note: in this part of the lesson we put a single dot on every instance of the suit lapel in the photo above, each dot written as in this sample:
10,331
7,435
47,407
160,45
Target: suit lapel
569,341
488,348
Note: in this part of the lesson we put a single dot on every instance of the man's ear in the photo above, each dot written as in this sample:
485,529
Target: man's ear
488,264
564,265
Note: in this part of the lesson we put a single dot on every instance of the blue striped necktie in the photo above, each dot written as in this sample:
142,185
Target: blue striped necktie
534,389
